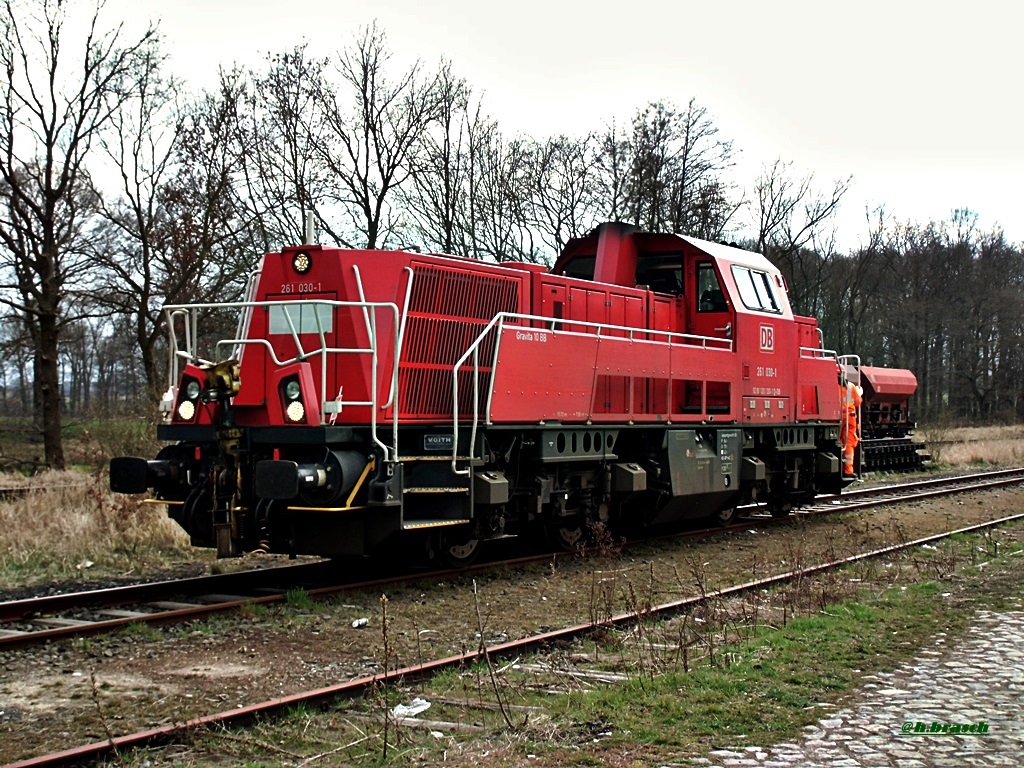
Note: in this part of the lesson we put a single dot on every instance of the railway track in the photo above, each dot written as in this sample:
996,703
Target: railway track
36,620
356,687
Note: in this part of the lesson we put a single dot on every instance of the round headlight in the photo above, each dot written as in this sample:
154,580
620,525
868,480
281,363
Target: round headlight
292,390
301,262
192,390
186,410
295,411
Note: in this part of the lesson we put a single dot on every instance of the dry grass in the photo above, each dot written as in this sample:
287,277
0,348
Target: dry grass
973,446
70,526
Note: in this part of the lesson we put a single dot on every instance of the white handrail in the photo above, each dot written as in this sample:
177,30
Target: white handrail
498,322
189,314
818,353
401,334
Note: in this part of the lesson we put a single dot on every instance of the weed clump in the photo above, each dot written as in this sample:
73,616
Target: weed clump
69,525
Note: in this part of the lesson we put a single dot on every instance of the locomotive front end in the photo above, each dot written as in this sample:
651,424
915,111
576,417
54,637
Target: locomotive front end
279,431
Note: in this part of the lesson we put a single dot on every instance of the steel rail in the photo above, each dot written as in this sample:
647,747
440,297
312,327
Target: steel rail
153,736
929,483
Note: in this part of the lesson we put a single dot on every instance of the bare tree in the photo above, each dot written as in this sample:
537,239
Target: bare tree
564,188
436,201
499,199
280,138
376,131
54,107
173,224
613,162
140,145
791,213
16,351
668,173
795,230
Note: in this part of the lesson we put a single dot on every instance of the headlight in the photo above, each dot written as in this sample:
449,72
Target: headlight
295,411
186,410
292,390
192,389
301,262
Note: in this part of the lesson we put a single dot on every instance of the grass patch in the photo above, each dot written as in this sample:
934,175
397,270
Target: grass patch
955,446
299,598
736,684
142,631
776,678
70,527
89,443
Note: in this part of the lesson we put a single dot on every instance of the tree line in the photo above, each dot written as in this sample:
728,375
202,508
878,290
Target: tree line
123,190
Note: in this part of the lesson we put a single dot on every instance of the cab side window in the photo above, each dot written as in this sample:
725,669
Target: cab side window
709,290
756,290
662,273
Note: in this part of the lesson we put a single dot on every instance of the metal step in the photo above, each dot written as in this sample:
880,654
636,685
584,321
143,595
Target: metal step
434,457
412,525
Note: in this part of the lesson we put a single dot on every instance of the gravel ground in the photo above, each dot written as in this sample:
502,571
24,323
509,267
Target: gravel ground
73,692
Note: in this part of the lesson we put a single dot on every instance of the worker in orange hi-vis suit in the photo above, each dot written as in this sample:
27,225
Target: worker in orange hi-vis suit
850,400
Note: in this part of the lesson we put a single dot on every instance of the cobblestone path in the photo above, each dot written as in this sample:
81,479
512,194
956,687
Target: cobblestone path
978,680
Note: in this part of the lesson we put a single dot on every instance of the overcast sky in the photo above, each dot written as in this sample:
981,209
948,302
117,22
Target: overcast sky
919,101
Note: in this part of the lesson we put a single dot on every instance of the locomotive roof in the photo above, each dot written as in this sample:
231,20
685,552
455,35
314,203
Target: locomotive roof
648,243
731,253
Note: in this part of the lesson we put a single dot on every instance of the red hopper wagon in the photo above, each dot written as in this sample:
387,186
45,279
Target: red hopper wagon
887,424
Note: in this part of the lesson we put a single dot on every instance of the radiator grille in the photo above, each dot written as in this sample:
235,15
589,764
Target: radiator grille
448,308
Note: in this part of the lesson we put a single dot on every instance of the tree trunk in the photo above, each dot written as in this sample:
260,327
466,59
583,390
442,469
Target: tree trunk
47,372
146,339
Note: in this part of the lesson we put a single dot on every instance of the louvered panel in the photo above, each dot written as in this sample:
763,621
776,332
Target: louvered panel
427,392
448,309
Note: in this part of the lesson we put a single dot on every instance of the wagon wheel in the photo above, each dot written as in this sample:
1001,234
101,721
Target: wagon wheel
457,547
725,516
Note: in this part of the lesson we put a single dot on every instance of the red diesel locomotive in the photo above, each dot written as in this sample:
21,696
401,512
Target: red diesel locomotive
371,396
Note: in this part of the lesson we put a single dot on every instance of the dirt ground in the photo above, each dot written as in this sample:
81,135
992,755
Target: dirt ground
73,692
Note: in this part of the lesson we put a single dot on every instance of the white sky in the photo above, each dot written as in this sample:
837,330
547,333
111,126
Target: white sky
920,100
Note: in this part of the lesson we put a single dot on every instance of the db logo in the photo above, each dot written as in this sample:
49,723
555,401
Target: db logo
767,338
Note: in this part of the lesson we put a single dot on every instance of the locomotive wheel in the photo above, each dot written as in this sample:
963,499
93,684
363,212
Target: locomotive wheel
725,516
195,516
779,508
458,548
566,537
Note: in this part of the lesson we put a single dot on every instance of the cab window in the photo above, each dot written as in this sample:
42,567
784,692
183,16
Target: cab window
581,267
709,289
663,274
757,289
304,318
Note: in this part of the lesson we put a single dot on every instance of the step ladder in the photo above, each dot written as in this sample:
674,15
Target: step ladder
434,496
